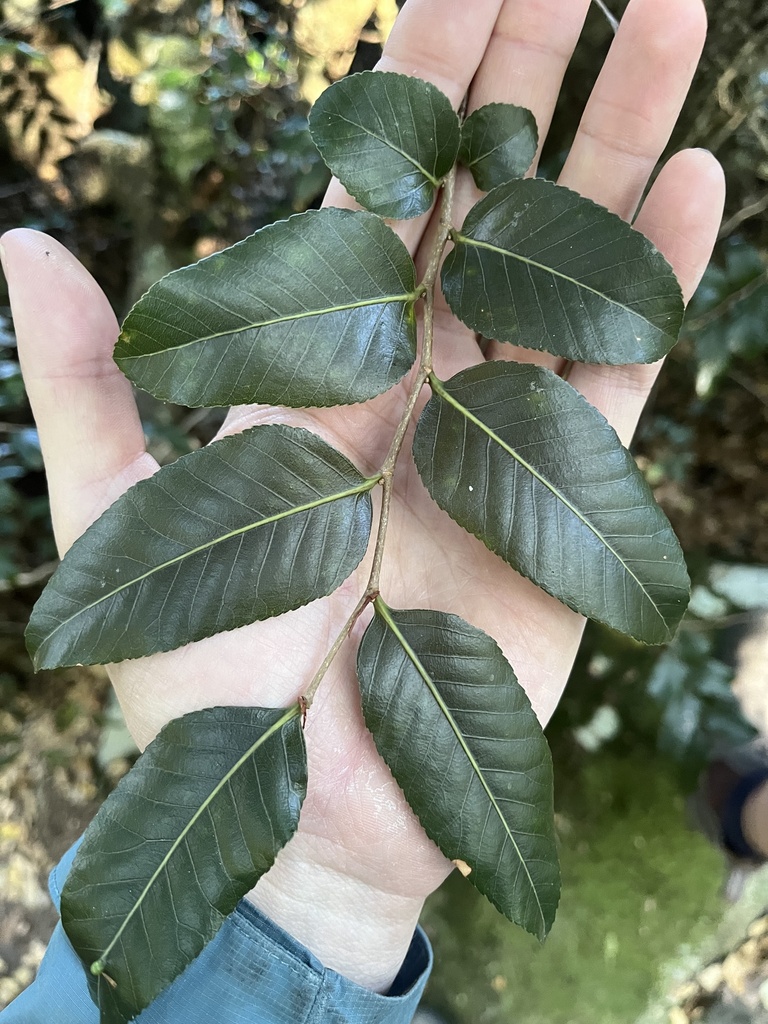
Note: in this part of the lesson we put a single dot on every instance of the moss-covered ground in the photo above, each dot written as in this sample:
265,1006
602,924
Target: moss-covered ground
640,890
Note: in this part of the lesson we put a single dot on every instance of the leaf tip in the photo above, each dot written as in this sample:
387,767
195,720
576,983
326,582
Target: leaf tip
546,918
39,653
33,649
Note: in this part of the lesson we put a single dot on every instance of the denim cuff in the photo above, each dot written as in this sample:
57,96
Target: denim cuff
251,973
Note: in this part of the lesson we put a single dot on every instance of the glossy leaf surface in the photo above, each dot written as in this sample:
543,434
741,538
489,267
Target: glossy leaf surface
251,526
389,139
459,735
184,836
498,143
517,457
316,310
539,266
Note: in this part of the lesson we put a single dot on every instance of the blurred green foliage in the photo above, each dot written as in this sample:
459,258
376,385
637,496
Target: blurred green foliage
25,538
677,702
639,889
728,316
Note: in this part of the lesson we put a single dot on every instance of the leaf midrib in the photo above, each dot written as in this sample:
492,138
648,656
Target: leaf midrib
439,388
390,145
383,610
342,308
478,244
494,149
292,712
366,485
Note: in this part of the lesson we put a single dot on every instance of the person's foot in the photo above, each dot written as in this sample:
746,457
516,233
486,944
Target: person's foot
726,784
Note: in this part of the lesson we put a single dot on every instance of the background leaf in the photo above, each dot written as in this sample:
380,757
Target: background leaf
460,737
517,457
186,834
539,266
388,138
498,143
249,527
316,310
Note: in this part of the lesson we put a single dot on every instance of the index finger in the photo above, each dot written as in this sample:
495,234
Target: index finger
443,42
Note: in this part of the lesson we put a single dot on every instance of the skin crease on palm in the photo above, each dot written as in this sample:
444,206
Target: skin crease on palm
351,883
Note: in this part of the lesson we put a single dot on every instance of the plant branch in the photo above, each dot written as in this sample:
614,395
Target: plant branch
425,368
29,579
696,324
748,385
753,209
309,694
387,473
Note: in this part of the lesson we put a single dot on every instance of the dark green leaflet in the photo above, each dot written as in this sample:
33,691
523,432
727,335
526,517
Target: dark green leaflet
460,737
312,311
390,139
537,265
184,836
516,456
250,527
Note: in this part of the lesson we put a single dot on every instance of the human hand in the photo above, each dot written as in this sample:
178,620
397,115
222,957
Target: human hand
351,883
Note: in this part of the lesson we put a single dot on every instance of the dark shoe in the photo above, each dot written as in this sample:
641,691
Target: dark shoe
725,785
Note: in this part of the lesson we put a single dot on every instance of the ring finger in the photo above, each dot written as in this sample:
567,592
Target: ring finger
633,109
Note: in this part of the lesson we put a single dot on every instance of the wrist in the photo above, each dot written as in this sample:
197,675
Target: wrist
353,927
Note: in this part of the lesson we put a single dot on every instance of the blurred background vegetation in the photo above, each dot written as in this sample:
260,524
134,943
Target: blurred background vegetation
145,135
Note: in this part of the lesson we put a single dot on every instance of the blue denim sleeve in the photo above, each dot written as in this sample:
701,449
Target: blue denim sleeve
251,973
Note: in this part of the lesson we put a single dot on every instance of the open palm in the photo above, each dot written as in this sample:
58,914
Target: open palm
351,883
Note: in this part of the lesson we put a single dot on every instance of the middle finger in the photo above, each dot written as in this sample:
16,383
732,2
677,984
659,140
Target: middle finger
631,112
636,101
525,61
442,42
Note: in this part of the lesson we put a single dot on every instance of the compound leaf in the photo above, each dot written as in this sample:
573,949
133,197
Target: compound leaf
459,735
184,836
390,139
539,266
498,143
517,457
250,527
316,310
